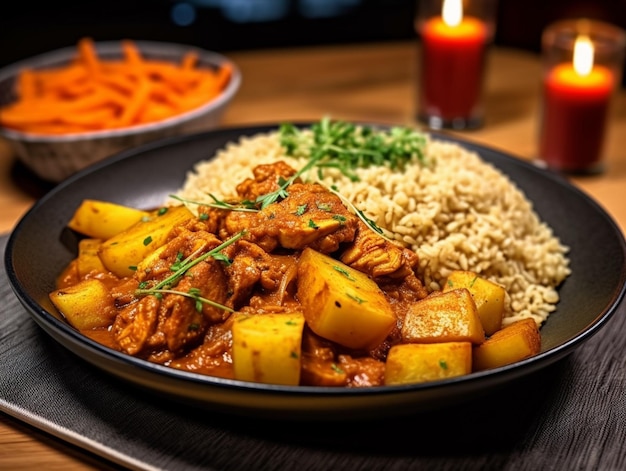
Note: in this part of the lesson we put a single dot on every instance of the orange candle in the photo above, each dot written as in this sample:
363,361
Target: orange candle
576,98
453,57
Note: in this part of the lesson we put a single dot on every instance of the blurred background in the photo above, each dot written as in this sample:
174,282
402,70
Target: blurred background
28,27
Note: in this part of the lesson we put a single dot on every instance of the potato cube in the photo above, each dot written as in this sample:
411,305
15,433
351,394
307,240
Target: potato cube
342,304
102,219
449,316
88,260
512,343
488,296
121,253
267,347
85,305
419,362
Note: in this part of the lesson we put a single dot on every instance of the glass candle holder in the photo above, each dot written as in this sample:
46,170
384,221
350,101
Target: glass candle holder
455,36
582,67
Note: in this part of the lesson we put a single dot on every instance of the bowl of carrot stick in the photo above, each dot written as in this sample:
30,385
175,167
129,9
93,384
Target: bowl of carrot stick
67,109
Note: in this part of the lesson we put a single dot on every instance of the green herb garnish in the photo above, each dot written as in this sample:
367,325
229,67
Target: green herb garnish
346,146
180,268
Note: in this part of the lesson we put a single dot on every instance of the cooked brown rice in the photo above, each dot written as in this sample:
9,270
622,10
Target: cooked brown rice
456,212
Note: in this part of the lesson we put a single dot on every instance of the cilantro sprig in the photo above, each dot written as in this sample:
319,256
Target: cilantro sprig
347,146
180,268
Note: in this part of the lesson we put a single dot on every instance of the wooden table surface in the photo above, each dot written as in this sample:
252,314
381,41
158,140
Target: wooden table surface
366,82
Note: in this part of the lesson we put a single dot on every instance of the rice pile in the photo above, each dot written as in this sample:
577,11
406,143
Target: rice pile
456,212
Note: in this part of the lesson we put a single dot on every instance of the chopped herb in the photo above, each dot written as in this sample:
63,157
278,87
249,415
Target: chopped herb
162,211
294,355
355,298
301,209
323,206
473,281
132,267
220,257
199,300
182,266
336,369
177,264
313,225
368,222
340,218
346,146
147,240
443,364
344,272
244,205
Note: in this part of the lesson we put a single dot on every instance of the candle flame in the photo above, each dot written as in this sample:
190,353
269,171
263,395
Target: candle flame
583,55
452,12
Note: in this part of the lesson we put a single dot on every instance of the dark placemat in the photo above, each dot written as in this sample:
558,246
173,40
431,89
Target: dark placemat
570,415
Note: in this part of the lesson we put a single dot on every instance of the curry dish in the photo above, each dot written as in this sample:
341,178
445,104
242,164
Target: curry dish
301,290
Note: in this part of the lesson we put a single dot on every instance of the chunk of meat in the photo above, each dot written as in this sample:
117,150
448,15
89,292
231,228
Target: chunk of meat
310,216
252,268
174,321
391,266
376,256
324,364
266,179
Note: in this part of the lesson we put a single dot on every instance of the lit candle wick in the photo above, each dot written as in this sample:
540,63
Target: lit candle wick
452,12
583,55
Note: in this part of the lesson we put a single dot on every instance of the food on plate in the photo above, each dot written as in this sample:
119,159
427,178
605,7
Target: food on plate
420,362
93,94
103,219
514,342
453,209
284,278
487,296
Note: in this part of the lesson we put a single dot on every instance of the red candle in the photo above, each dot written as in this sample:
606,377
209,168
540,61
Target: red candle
452,68
574,116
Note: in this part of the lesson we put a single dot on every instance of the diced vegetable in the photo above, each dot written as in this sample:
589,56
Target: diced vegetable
267,347
86,305
488,296
342,304
88,260
122,253
416,363
102,219
443,317
512,343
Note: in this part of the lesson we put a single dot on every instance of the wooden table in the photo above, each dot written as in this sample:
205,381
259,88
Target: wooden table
366,82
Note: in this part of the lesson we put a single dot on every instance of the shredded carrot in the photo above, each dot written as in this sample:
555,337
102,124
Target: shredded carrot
90,93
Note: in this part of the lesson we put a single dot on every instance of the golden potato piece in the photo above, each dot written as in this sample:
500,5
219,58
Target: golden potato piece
85,305
342,304
267,347
122,253
419,362
88,260
102,219
449,316
512,343
488,296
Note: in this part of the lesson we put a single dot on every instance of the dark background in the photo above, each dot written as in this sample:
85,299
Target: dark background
28,28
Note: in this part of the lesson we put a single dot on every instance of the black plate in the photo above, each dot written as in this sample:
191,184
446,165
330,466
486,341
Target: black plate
40,247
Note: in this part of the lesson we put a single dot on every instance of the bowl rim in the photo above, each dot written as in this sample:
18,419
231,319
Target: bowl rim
57,56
